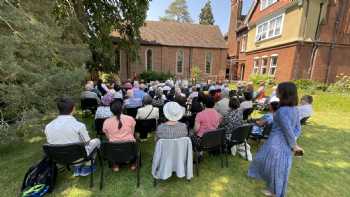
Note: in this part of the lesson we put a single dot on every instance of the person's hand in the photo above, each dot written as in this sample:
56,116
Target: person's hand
298,151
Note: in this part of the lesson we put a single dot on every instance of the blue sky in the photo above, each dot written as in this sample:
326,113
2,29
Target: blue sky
221,10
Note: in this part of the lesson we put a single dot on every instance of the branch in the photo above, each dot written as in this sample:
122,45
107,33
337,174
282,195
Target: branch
12,29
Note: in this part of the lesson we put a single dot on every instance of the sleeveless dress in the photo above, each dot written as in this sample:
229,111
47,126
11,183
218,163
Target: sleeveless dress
273,161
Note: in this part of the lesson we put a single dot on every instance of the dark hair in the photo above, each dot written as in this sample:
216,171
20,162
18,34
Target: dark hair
116,109
307,98
180,100
65,105
117,87
288,94
274,106
147,100
209,102
234,103
248,96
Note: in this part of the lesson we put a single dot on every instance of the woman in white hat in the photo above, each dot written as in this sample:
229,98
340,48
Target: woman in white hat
172,129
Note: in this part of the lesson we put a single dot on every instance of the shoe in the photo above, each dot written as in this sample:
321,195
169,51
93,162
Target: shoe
267,192
86,170
76,170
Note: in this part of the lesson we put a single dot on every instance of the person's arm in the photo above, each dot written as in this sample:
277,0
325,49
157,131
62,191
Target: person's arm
283,119
157,113
82,132
197,124
138,114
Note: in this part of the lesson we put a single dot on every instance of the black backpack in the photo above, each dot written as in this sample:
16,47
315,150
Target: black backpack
44,172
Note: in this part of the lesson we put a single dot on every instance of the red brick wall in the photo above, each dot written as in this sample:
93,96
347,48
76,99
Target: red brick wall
164,60
285,62
257,14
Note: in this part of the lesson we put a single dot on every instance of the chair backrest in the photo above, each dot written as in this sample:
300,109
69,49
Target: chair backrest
212,139
99,125
267,130
65,153
146,125
131,112
88,103
240,134
303,121
247,113
119,152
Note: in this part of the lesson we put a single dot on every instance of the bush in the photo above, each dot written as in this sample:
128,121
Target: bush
310,85
153,76
342,84
256,78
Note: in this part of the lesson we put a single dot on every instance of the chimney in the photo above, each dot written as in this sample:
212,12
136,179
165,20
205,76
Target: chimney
236,8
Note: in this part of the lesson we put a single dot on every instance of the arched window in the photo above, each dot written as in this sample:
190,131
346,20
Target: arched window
180,59
208,62
149,59
117,60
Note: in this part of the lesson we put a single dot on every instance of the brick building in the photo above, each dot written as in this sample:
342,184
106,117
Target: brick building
298,39
176,47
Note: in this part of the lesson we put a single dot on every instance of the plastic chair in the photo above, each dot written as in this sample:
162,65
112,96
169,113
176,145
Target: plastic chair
99,126
89,104
145,126
239,136
121,152
131,112
71,154
247,113
265,134
210,141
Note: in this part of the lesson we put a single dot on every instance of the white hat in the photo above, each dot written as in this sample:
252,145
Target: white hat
274,99
173,111
166,88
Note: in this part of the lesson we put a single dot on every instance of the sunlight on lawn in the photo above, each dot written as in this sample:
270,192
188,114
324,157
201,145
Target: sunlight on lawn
217,187
35,139
74,191
333,164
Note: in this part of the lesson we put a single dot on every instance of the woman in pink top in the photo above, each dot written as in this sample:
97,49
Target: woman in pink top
208,119
119,128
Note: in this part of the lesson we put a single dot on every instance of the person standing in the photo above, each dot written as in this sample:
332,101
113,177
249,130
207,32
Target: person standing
273,161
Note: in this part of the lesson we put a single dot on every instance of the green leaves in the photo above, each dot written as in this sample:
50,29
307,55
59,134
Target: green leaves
206,16
177,11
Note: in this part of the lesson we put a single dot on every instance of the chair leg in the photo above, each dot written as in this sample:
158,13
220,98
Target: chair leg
226,153
101,178
138,172
197,163
221,158
154,182
91,174
246,152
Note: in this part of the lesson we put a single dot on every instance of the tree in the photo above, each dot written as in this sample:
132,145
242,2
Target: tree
100,18
177,11
206,16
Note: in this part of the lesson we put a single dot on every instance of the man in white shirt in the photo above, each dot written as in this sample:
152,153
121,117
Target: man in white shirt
305,107
222,106
65,129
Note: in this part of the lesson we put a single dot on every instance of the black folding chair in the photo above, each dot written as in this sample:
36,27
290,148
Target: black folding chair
145,126
265,134
131,112
71,154
210,141
247,113
304,120
239,136
123,152
99,126
89,104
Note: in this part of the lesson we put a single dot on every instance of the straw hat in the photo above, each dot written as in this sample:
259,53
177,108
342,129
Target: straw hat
173,111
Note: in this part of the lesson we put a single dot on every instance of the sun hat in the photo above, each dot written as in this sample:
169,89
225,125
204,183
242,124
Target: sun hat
173,111
274,99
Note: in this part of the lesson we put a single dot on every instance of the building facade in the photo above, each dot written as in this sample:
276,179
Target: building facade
298,39
175,48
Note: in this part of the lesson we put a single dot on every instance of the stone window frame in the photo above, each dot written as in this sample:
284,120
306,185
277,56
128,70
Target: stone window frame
183,61
211,62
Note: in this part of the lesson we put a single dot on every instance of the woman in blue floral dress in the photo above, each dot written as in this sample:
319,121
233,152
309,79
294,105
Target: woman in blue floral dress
273,161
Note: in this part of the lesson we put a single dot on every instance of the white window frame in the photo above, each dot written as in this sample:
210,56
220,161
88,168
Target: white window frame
264,66
266,3
273,66
183,61
211,62
266,30
146,59
243,44
256,65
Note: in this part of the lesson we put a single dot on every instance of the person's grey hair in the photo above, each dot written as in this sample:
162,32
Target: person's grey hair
89,87
147,100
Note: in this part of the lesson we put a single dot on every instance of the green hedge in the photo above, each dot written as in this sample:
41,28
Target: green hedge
153,76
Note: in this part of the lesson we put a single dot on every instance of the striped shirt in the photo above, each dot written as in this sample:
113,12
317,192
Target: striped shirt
166,131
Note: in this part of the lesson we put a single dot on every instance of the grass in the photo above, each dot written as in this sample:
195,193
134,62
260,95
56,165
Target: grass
323,171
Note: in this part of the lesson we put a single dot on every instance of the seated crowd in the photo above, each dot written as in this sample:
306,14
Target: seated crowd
180,110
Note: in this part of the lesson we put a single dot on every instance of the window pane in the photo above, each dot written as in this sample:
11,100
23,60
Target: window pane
208,62
149,59
180,60
272,28
278,25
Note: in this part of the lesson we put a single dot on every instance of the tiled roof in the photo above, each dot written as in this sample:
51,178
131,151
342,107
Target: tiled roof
180,34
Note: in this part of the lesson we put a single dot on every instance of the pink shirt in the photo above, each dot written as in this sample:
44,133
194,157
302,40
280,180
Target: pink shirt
125,133
208,119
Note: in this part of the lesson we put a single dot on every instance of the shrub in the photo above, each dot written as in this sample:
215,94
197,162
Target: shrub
153,76
256,78
342,84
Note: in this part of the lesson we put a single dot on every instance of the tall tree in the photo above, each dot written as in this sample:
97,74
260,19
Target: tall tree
100,18
206,16
177,11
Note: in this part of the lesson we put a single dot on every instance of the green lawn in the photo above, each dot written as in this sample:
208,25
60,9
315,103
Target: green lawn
323,171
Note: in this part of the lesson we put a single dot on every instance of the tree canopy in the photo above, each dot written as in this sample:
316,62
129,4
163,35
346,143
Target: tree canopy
177,11
206,16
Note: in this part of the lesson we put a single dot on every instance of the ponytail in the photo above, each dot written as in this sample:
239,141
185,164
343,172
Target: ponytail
117,108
